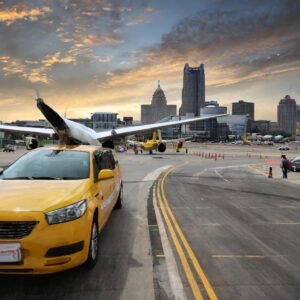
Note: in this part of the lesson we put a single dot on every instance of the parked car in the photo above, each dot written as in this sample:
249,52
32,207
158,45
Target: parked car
54,203
9,148
296,164
284,147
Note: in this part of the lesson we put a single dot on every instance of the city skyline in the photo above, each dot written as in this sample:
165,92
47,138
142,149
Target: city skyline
87,56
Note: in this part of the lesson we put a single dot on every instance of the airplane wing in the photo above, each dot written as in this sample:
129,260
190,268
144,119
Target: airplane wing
37,130
73,133
119,132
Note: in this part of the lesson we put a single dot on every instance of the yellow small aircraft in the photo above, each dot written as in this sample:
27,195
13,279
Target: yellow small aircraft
245,141
158,145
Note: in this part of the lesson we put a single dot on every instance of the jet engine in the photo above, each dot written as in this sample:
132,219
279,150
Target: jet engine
31,143
161,147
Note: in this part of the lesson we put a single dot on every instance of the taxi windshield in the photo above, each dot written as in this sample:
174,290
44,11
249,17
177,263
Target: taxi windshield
50,165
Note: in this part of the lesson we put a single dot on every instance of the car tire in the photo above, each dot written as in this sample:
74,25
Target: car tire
119,202
94,245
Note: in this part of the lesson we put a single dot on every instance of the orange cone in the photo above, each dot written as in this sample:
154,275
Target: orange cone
270,175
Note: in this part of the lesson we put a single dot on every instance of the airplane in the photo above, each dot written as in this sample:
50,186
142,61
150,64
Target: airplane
62,196
245,140
159,145
72,133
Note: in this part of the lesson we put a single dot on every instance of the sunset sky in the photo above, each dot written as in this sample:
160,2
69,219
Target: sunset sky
100,55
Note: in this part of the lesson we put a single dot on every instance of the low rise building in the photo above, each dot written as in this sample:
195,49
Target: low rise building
237,124
262,126
104,120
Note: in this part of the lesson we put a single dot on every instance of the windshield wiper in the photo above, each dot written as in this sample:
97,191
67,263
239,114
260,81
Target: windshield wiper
18,178
41,178
47,178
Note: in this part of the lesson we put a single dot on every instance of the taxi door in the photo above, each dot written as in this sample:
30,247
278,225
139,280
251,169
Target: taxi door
103,188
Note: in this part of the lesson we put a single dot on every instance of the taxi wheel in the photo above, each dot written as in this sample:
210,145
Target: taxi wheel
94,245
118,204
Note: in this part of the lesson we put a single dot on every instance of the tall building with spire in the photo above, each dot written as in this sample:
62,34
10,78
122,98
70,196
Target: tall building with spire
193,91
287,115
158,109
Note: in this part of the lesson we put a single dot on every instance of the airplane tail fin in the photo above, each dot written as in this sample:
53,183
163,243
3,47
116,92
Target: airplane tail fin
154,136
245,138
52,116
56,121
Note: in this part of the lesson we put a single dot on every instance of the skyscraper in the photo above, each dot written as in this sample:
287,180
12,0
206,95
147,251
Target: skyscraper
298,112
287,115
158,109
193,91
243,108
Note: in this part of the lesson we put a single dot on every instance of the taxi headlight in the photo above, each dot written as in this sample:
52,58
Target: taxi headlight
67,213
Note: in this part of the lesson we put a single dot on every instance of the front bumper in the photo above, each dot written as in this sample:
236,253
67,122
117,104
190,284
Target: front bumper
49,248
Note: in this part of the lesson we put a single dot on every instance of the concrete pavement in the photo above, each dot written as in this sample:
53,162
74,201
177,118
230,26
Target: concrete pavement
242,227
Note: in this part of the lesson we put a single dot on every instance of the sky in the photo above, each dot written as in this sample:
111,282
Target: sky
100,55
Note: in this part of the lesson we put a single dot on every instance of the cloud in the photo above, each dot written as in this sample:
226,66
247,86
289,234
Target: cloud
33,71
82,51
144,17
135,20
22,12
237,40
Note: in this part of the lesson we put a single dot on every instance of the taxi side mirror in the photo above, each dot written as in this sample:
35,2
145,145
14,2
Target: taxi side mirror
106,174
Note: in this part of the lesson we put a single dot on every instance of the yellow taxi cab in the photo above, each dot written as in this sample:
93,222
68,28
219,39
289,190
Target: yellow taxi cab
53,204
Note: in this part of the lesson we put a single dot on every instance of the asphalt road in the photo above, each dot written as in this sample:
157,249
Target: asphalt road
125,266
242,227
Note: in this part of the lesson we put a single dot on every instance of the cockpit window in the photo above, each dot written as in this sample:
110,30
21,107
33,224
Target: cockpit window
50,164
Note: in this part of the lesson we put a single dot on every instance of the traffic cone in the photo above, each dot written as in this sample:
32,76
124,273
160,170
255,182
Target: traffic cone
270,175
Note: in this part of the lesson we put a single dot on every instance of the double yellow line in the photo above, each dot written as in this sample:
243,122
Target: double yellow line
181,244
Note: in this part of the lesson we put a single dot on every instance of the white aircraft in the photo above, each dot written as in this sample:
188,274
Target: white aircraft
72,133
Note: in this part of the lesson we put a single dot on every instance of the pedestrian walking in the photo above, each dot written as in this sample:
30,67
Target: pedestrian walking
284,166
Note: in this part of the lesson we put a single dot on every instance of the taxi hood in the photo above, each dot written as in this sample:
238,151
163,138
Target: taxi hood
40,195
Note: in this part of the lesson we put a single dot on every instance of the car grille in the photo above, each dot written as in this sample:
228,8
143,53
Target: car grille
16,230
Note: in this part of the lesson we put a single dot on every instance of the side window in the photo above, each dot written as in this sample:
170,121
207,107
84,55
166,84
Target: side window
97,163
112,161
103,160
108,161
95,166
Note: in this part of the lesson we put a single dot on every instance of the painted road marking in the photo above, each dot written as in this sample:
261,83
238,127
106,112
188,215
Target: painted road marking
183,259
224,167
174,277
221,176
239,256
195,262
173,273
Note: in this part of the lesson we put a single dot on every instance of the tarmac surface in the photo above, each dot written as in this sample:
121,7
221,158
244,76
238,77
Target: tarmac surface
190,228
